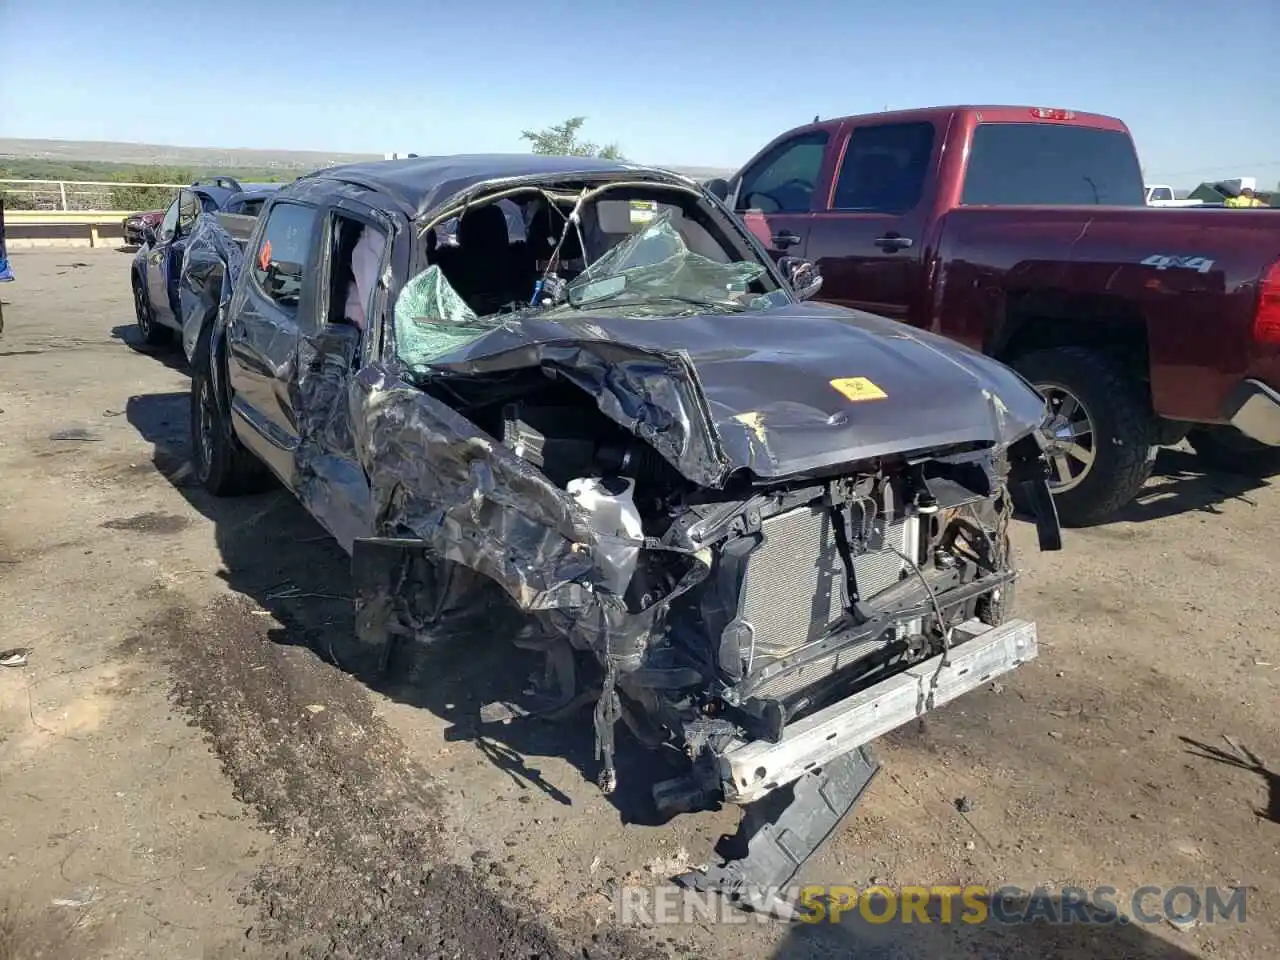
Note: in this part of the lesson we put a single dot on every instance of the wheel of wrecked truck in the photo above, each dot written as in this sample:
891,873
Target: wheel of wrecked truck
220,462
1227,449
204,413
1099,432
152,333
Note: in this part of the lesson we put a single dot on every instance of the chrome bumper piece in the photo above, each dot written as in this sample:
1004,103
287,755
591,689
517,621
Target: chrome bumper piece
1256,412
979,654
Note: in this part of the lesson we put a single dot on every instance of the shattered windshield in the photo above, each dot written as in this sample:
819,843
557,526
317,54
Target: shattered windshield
431,319
652,273
656,266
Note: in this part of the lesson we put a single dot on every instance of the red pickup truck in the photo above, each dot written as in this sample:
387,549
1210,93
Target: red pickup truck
1022,232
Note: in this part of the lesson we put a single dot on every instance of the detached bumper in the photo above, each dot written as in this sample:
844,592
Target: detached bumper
751,770
1254,409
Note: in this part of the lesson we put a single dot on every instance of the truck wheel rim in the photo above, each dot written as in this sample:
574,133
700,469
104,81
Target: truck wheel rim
1072,439
206,427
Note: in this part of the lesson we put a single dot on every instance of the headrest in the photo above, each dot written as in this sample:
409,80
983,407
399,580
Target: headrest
482,228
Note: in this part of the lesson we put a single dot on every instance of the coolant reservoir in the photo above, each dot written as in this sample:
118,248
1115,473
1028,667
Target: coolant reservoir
609,503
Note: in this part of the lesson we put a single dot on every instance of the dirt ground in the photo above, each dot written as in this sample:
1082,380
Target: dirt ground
183,773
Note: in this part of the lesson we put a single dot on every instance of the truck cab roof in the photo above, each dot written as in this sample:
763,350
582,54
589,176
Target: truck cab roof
982,113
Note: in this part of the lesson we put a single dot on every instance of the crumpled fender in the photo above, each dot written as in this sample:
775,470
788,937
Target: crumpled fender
210,265
437,479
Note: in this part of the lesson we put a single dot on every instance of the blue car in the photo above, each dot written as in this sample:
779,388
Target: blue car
158,262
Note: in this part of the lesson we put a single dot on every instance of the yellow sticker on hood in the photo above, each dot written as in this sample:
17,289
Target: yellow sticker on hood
858,389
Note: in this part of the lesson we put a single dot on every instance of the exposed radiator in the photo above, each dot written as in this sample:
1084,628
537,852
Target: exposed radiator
794,588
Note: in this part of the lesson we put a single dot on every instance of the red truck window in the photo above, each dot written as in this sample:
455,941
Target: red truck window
783,180
884,168
1048,163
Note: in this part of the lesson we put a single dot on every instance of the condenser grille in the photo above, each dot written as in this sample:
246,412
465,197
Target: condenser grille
794,589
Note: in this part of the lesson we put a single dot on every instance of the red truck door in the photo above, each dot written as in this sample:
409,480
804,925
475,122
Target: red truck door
776,192
868,234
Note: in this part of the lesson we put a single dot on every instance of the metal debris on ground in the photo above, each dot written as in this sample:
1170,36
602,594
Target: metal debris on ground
964,804
74,433
81,898
15,657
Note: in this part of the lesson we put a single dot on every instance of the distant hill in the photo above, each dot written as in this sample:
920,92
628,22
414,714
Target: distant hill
151,154
207,158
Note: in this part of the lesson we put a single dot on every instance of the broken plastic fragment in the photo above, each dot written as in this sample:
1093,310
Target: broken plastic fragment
16,657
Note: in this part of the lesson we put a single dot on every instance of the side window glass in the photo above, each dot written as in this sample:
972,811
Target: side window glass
169,224
884,168
283,252
188,209
784,179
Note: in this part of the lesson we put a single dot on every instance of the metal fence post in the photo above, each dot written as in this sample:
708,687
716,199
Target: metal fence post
62,191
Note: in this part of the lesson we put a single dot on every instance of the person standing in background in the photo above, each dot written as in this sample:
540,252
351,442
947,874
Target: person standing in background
6,273
1244,198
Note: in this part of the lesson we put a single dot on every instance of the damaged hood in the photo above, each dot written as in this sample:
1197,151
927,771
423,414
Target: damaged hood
778,392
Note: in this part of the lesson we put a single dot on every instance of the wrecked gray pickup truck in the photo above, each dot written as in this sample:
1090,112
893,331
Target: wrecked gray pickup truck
759,531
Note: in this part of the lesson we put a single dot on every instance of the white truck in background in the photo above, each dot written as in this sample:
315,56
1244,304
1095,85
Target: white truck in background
1161,195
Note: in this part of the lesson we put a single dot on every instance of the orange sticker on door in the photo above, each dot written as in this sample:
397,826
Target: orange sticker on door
858,389
264,256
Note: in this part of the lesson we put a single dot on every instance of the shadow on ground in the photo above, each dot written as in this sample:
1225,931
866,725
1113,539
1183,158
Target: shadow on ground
1242,758
1181,484
1091,934
273,552
170,354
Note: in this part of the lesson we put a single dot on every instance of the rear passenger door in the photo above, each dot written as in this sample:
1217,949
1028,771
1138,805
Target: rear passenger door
268,313
774,195
868,237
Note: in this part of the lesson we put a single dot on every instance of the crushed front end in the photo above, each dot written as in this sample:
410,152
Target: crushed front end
711,531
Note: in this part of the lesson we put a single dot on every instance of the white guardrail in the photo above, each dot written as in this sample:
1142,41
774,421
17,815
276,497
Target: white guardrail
70,212
67,195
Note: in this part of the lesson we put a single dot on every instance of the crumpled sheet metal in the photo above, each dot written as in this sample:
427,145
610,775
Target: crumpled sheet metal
210,265
759,391
471,501
328,480
777,390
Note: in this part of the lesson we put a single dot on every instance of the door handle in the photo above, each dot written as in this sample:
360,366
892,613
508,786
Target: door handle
784,239
892,242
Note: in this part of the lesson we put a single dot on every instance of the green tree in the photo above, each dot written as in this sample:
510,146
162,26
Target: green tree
562,140
146,198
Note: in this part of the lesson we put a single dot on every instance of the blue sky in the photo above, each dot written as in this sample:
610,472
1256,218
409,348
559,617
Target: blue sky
673,82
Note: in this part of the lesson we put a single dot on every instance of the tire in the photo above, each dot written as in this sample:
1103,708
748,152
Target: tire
221,463
1227,449
152,333
1111,423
